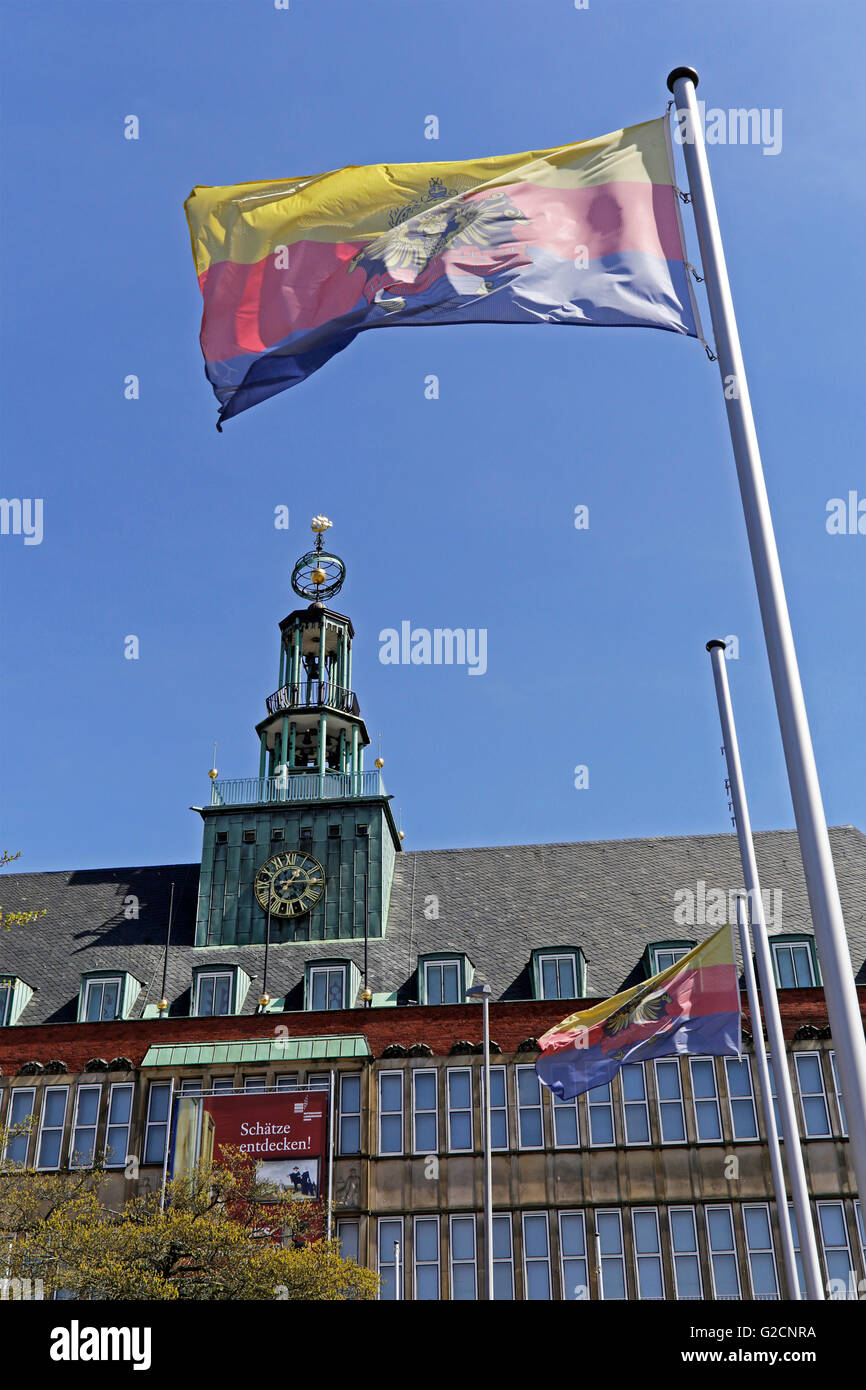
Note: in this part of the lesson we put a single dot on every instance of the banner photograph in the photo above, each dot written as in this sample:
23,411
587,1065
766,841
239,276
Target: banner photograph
285,1132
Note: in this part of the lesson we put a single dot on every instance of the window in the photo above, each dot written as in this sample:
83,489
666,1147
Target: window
463,1264
684,1247
427,1258
191,1086
529,1120
84,1125
21,1107
349,1236
600,1105
255,1083
558,977
327,987
459,1090
425,1107
744,1121
503,1259
566,1128
349,1134
287,1081
634,1103
669,1088
222,1085
648,1253
843,1123
837,1251
390,1250
794,964
810,1079
390,1112
213,994
156,1126
6,992
536,1256
318,1081
117,1127
442,982
759,1249
572,1248
705,1099
101,1000
608,1225
221,837
663,956
249,837
723,1255
51,1126
278,834
333,832
498,1107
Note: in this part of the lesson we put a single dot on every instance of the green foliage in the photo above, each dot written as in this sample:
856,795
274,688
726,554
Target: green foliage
19,919
221,1235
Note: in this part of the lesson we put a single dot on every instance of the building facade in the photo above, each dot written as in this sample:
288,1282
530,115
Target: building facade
309,948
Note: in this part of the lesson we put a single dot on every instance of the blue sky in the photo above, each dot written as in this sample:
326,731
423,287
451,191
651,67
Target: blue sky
456,512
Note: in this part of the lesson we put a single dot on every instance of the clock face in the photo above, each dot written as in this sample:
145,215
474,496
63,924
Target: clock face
290,884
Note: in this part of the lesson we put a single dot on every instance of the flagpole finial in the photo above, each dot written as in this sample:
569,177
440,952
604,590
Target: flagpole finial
681,72
716,642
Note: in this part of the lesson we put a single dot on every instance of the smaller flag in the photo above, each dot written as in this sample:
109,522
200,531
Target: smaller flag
693,1007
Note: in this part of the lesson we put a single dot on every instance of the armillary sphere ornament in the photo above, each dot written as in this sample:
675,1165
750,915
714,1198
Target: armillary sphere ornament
318,575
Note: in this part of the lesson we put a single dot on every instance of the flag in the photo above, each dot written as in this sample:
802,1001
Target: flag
692,1007
292,270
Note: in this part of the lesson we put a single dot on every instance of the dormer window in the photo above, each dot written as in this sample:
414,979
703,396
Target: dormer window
213,995
443,979
558,972
106,995
661,955
101,1000
15,995
218,991
330,984
794,961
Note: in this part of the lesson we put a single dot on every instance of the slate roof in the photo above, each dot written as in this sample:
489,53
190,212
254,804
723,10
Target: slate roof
609,897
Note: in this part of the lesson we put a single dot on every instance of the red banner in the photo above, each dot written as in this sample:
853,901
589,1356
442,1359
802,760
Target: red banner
285,1132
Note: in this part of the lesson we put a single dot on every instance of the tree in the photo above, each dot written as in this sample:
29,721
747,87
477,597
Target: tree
221,1235
8,919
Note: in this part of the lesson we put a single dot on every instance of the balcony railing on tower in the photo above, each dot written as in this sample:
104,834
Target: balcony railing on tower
313,695
296,786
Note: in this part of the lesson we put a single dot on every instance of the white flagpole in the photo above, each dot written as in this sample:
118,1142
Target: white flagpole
779,1188
839,988
787,1114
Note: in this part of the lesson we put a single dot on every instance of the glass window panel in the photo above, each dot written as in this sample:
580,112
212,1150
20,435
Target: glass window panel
503,1259
837,1252
498,1107
811,1082
391,1112
549,978
425,1117
84,1132
157,1122
463,1269
536,1252
684,1245
51,1130
609,1229
670,1102
530,1124
648,1254
600,1105
842,1117
427,1258
350,1114
744,1120
566,1129
459,1091
635,1108
117,1129
802,966
572,1239
723,1259
21,1107
707,1119
759,1246
389,1232
349,1235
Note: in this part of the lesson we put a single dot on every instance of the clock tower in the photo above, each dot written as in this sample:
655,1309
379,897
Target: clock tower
309,843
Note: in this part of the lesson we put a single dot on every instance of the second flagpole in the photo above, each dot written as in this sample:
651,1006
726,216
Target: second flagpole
787,1114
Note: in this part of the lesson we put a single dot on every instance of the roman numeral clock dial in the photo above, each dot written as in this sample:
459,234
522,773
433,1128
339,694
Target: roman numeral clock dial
289,884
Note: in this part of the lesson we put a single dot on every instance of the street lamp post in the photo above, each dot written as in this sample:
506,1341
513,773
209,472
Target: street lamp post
483,992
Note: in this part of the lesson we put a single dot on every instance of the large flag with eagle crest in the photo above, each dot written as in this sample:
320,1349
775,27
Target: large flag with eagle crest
692,1007
291,270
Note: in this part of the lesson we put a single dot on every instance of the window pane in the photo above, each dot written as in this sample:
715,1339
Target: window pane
55,1108
802,966
535,1237
205,995
348,1233
109,1001
427,1240
549,981
565,1123
223,994
88,1105
460,1089
451,985
320,981
391,1092
785,967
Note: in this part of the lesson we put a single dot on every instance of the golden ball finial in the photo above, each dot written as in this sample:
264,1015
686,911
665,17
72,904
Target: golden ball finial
264,1001
213,774
401,834
380,762
318,576
162,1005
